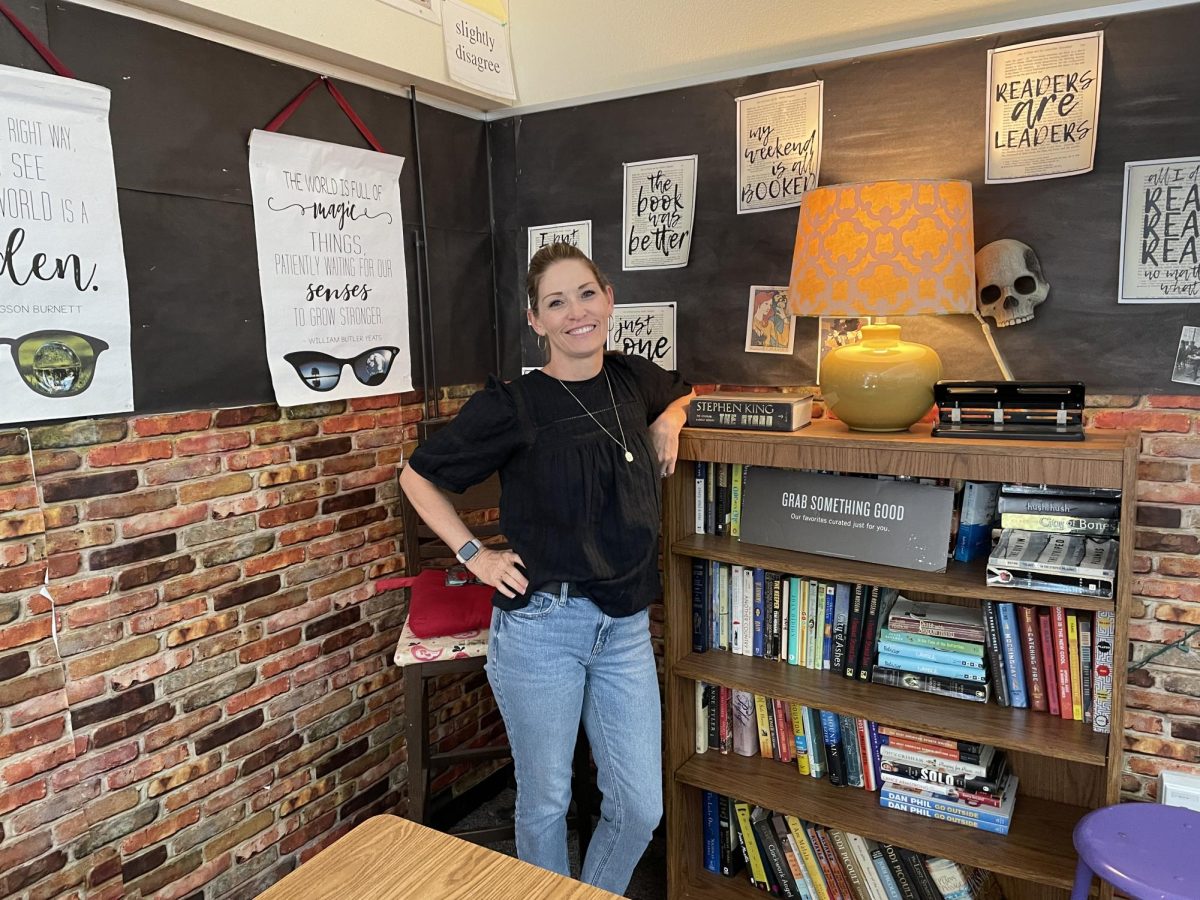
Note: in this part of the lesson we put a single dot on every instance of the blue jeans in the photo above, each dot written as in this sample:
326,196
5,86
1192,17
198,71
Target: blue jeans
550,663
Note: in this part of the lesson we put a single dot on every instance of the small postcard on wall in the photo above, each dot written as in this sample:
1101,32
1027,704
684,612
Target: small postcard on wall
836,331
477,52
1187,359
770,325
779,146
577,233
1160,232
644,329
659,207
1043,108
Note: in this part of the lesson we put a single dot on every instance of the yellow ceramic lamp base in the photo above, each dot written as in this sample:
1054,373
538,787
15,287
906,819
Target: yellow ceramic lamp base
881,384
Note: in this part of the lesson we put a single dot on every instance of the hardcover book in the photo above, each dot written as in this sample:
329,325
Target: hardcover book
751,411
1061,524
947,620
1087,507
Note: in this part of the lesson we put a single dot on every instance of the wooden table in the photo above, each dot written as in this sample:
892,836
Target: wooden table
390,857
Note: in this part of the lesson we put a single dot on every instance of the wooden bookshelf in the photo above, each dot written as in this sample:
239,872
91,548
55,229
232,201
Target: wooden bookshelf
1065,768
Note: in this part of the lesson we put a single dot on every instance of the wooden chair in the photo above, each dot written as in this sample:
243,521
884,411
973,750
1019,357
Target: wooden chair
429,658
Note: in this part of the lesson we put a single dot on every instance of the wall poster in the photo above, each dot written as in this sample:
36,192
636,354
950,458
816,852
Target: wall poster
577,233
644,329
331,268
64,298
770,325
477,53
1043,108
779,146
1160,231
659,206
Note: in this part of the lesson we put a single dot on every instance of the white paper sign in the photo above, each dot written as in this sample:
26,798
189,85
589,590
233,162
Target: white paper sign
430,10
477,50
1160,229
64,298
577,233
331,268
779,146
1043,108
644,329
659,206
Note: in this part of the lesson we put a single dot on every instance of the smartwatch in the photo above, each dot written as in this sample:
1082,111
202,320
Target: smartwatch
468,550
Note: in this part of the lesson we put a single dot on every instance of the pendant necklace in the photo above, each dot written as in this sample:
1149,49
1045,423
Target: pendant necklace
621,443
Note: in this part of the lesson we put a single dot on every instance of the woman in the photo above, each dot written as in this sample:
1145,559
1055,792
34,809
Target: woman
580,446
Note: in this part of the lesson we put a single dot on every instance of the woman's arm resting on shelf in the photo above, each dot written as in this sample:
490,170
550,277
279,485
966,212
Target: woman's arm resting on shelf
497,568
664,433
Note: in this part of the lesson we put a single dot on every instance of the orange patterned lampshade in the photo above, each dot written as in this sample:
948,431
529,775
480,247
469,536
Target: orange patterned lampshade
884,248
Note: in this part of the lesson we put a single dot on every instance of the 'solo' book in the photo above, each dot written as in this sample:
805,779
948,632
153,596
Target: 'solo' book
751,412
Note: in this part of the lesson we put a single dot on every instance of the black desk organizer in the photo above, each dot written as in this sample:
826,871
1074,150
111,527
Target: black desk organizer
1013,410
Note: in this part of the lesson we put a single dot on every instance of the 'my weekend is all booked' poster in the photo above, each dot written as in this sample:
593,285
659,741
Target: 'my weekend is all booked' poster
64,299
1043,108
1160,232
659,207
779,146
331,266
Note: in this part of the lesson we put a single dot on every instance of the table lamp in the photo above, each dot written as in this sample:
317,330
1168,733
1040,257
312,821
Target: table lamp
882,248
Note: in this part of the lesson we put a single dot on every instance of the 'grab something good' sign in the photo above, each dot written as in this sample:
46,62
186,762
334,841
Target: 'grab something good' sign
895,523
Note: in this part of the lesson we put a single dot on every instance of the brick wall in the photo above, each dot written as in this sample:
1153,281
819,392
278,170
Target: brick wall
219,701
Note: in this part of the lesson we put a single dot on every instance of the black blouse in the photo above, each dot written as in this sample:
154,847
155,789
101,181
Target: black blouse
570,504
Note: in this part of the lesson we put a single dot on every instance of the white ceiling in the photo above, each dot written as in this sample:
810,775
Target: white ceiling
571,50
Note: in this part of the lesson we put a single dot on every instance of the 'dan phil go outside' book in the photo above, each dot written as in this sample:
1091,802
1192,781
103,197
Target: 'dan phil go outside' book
751,411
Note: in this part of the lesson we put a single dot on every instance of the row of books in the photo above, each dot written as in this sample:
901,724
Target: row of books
792,857
821,743
806,622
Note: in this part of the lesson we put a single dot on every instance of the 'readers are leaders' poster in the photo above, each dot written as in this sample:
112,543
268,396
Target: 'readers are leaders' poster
331,268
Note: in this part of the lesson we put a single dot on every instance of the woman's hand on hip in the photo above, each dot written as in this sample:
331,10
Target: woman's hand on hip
498,568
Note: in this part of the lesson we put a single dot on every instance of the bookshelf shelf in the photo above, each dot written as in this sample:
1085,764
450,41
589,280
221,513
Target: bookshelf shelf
1038,846
1065,768
1013,729
959,579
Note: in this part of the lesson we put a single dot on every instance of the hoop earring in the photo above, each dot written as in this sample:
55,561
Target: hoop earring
541,343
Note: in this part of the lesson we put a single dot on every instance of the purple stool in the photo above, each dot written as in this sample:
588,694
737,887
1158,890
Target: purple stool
1149,851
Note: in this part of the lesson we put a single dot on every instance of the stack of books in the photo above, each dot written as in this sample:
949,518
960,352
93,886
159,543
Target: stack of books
934,647
1094,512
792,857
956,781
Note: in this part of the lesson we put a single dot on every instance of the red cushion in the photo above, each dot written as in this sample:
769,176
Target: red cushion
436,609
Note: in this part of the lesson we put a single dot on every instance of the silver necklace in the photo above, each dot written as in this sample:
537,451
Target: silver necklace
621,443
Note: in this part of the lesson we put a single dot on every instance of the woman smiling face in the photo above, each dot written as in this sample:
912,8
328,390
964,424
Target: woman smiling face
572,314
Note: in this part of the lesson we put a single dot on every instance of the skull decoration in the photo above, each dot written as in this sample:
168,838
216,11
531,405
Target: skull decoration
1010,282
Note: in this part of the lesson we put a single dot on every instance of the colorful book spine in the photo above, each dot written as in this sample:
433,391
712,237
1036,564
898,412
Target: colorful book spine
747,611
1085,664
801,738
1062,660
945,657
995,651
929,667
712,838
1105,628
884,871
1014,668
1049,669
850,750
858,605
793,654
1031,646
700,626
735,502
932,684
831,731
754,860
827,641
891,801
737,631
701,494
1073,657
964,648
1061,524
866,659
808,857
759,613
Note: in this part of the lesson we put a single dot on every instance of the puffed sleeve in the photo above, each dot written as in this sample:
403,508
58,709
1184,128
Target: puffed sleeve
659,387
478,442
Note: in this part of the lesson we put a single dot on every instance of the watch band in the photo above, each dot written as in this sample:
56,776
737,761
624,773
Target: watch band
468,550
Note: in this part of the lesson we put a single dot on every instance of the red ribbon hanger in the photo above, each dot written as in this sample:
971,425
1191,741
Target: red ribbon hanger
286,112
43,51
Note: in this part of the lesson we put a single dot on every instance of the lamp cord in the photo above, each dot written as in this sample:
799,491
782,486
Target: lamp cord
1181,644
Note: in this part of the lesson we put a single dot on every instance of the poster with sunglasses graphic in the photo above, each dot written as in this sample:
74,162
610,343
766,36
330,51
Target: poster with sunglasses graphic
331,268
64,298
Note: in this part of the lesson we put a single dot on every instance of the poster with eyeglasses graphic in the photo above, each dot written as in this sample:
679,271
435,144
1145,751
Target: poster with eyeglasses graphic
331,268
64,298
